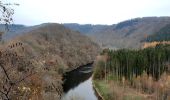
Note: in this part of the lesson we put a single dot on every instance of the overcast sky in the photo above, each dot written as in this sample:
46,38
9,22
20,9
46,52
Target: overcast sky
33,12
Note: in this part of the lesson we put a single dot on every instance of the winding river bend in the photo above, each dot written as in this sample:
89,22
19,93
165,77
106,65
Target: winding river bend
78,84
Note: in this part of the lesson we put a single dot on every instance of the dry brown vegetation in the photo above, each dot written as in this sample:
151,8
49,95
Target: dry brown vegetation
153,44
51,50
15,70
55,42
144,88
128,34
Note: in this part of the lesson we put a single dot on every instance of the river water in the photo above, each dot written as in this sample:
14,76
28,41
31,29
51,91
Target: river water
78,84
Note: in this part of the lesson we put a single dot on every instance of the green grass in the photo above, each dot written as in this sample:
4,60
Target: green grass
103,88
105,91
130,97
112,77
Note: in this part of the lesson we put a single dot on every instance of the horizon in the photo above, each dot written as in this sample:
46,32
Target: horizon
93,24
90,23
103,12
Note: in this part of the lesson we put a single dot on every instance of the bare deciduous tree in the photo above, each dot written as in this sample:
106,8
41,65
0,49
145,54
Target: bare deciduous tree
6,13
14,69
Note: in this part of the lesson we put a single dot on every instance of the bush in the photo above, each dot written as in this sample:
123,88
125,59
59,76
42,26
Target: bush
99,70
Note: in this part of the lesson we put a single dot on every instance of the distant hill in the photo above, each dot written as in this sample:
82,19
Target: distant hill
85,28
162,35
14,30
126,34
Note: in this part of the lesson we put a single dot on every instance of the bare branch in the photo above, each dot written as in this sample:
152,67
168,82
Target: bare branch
5,72
23,78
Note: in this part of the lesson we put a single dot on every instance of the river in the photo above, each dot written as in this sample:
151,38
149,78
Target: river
78,84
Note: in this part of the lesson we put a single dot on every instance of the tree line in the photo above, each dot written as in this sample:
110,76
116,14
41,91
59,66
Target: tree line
132,63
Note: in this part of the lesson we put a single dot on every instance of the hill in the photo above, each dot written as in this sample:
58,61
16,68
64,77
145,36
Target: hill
14,30
53,50
126,34
55,39
162,35
86,28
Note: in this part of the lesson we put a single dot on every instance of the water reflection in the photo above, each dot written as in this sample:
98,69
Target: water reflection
78,84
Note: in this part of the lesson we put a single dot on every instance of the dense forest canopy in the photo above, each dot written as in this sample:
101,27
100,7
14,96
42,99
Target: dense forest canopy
126,74
129,63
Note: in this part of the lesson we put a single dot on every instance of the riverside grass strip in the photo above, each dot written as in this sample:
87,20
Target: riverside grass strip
105,92
101,88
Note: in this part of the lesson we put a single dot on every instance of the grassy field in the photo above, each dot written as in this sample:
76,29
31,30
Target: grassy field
102,88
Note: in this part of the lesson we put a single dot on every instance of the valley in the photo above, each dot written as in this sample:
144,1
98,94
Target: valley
87,62
126,34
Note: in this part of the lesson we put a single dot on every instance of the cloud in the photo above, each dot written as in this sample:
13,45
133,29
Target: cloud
87,11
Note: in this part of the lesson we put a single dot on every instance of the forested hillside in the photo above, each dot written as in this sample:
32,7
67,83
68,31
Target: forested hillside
86,28
13,30
32,64
126,34
162,35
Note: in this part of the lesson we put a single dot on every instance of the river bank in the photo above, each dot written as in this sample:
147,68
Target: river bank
112,91
97,90
78,84
122,74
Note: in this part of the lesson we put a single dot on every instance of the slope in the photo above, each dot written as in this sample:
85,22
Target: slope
126,34
54,50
